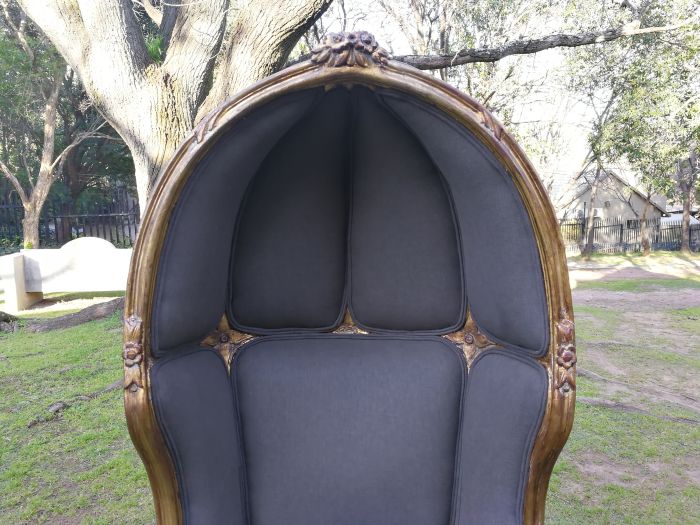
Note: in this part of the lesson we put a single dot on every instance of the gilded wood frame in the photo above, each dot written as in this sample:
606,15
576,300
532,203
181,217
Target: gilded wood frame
350,59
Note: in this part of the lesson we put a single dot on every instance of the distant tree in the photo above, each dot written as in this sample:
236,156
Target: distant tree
155,68
35,76
637,90
100,161
655,125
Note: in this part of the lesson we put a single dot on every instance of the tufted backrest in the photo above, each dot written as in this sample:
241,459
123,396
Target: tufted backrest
371,201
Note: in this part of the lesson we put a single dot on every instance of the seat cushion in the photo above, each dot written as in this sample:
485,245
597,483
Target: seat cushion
349,429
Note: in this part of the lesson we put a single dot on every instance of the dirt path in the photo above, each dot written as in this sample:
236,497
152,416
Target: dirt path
643,353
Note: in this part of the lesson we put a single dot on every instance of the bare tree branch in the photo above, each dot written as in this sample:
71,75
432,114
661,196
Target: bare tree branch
80,137
534,45
115,37
60,20
19,29
194,41
258,40
155,14
14,181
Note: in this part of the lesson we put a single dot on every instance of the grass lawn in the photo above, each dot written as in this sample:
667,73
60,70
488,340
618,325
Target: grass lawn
638,344
78,467
667,258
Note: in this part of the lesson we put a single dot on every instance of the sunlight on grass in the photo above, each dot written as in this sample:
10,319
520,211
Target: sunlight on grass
637,259
688,319
638,285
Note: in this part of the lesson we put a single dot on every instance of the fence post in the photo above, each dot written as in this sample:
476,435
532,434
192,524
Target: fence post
622,235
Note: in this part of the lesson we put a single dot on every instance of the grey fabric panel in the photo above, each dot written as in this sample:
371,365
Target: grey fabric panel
192,397
289,254
504,403
194,264
504,278
345,430
406,272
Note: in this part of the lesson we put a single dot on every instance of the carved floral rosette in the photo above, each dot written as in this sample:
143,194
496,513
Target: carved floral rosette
471,340
227,342
566,354
133,353
357,48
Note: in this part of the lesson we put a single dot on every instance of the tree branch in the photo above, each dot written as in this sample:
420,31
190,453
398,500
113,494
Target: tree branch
257,43
15,182
19,30
534,45
193,42
155,14
61,22
80,137
115,38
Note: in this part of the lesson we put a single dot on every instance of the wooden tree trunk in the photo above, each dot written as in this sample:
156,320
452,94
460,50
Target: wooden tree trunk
646,243
685,223
687,183
30,227
212,50
34,202
590,222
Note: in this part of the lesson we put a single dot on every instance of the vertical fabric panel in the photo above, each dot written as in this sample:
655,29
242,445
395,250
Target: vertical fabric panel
406,272
193,402
504,403
194,264
348,430
504,277
289,254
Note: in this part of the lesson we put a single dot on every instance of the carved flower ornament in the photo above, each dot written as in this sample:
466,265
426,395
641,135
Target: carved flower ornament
133,353
349,49
566,353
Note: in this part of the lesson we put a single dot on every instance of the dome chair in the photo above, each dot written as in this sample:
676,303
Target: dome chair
349,305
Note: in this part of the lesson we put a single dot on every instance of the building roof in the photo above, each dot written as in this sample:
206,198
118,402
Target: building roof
584,185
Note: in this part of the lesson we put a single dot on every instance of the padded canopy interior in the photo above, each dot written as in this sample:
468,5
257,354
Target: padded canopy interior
364,200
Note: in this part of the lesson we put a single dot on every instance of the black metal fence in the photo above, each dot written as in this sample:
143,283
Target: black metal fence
615,235
115,220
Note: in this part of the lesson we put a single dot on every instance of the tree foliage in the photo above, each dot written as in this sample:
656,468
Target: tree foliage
49,130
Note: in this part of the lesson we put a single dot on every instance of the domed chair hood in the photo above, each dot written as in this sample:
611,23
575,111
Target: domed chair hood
349,303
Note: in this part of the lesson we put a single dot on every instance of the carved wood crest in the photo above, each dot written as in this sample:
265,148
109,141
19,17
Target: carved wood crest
133,353
566,354
357,48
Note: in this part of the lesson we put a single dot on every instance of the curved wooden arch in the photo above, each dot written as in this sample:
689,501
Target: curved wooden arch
334,64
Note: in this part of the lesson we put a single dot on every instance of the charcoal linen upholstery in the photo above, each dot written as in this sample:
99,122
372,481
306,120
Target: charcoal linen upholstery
504,403
288,262
398,213
349,429
191,285
501,259
192,397
405,264
374,202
